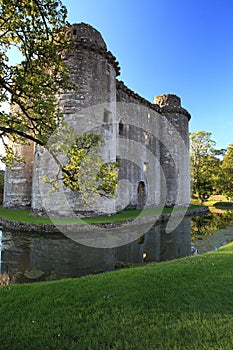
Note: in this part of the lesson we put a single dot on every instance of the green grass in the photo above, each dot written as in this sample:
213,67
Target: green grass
212,204
24,216
181,304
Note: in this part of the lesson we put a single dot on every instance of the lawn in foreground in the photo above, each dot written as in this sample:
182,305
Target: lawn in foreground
181,304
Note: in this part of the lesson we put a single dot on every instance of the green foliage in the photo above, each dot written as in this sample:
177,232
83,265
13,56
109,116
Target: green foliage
85,171
205,225
180,304
205,164
209,173
227,172
35,30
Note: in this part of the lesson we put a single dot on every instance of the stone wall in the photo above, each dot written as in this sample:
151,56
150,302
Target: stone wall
139,148
161,130
18,181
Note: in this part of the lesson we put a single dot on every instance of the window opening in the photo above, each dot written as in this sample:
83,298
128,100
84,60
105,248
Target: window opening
121,128
141,194
147,137
145,167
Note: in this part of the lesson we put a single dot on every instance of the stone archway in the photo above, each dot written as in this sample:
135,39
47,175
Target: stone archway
141,194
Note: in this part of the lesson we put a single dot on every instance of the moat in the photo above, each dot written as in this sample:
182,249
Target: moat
29,257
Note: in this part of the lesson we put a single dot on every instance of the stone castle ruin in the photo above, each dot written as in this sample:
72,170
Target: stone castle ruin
150,141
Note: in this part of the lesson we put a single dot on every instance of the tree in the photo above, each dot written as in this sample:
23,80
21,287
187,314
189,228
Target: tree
37,31
84,171
227,173
205,163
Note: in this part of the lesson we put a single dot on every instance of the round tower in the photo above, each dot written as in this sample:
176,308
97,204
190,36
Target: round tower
93,69
174,157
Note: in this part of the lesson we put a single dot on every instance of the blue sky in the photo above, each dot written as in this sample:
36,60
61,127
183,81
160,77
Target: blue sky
184,47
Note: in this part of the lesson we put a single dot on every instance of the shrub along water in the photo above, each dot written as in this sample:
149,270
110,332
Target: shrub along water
181,304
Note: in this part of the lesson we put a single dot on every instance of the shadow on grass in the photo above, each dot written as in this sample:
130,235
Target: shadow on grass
224,205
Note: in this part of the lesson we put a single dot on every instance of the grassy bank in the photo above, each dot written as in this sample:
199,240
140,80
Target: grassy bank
181,304
24,216
214,205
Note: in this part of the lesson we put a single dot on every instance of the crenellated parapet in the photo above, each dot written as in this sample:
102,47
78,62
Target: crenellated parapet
170,103
137,98
163,104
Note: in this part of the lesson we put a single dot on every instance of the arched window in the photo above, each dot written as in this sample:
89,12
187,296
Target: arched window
121,128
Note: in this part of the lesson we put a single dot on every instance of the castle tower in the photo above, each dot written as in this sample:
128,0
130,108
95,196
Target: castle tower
155,135
93,69
18,181
174,148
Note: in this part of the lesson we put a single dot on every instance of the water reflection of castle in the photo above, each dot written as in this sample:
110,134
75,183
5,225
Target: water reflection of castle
56,256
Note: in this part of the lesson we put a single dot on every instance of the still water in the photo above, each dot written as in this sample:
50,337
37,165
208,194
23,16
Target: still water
28,257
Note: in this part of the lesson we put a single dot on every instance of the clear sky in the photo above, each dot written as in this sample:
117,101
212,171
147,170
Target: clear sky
183,47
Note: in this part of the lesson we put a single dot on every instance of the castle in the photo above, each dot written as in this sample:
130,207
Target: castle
150,141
